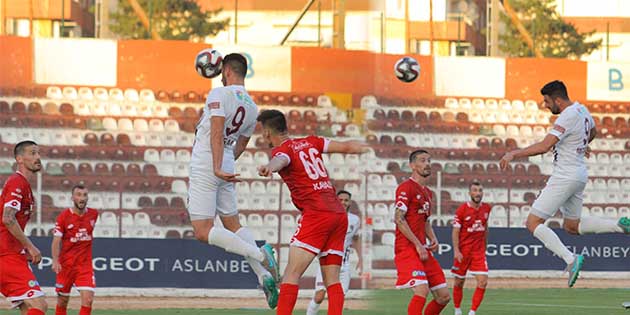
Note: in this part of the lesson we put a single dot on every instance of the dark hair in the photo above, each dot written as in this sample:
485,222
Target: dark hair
344,192
474,183
77,186
412,156
274,120
236,62
555,89
19,148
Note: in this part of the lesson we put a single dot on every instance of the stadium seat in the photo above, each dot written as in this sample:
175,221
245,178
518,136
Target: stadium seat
85,94
131,95
115,94
478,104
147,95
110,124
171,125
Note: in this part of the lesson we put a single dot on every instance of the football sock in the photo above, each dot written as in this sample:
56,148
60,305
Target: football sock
335,299
59,310
434,308
34,311
553,243
313,308
233,244
246,235
458,294
287,299
590,225
85,310
416,305
477,298
472,312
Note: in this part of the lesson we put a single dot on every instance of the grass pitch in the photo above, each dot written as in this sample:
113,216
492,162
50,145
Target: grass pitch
496,302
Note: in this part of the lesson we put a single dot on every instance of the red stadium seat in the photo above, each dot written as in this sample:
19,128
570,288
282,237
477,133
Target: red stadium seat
133,169
461,117
177,203
108,139
435,117
118,170
85,169
175,112
66,109
407,115
161,202
400,140
421,116
35,108
492,168
145,202
393,114
90,139
464,168
310,100
123,139
18,108
393,167
149,170
533,169
162,96
386,140
191,97
191,113
294,115
4,107
379,114
497,143
310,116
69,169
101,169
371,139
519,169
511,144
173,234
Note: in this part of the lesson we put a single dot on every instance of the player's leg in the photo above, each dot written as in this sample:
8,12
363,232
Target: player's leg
62,304
418,299
299,260
318,296
34,306
480,290
63,285
202,207
437,285
411,275
459,270
86,284
19,285
574,223
331,261
551,198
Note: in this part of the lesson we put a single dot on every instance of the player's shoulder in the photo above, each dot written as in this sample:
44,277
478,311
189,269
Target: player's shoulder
462,207
15,182
486,206
64,214
92,211
405,184
353,218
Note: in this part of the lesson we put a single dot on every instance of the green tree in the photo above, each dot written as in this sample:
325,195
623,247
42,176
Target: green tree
171,19
552,36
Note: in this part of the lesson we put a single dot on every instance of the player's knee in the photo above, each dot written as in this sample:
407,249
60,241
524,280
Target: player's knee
62,301
38,303
421,290
87,300
482,283
532,225
443,298
319,296
458,282
571,228
201,234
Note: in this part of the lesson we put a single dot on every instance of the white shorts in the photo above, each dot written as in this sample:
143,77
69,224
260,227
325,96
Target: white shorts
344,278
563,194
209,195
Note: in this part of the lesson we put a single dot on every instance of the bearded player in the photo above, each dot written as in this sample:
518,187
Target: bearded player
470,234
72,252
17,282
417,269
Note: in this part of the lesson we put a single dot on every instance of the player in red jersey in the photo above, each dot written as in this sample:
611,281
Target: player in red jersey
72,252
470,234
322,228
417,269
17,282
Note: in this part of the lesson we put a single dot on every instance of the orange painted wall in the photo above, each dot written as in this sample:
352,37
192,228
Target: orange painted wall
525,76
316,70
160,65
16,64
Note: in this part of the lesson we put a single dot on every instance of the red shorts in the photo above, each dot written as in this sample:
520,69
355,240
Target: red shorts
323,234
17,282
414,272
81,277
475,263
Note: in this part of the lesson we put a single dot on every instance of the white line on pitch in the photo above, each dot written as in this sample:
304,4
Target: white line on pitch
556,305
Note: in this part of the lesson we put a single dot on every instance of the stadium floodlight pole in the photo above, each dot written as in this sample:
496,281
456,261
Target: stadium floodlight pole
299,18
521,29
235,21
431,26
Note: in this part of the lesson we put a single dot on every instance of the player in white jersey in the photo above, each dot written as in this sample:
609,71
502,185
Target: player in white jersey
222,134
569,138
352,240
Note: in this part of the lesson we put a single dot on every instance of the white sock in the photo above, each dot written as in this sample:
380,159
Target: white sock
590,225
458,311
471,313
553,243
313,308
246,235
233,244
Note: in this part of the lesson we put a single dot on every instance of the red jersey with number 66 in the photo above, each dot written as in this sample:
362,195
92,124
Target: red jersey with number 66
306,176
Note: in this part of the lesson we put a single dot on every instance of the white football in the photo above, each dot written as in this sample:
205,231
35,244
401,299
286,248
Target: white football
209,63
407,69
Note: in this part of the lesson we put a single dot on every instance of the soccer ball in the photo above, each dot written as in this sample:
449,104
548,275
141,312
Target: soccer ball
407,69
209,63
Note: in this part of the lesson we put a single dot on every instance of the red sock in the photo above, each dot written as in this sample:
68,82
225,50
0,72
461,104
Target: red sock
85,310
335,299
61,310
434,308
287,299
477,298
458,294
416,305
34,311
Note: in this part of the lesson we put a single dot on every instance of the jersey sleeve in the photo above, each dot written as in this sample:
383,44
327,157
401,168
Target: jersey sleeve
281,151
357,225
60,227
320,143
564,124
215,103
457,220
12,195
402,198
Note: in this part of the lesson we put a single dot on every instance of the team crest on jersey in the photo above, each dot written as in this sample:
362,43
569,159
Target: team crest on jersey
467,218
18,190
425,208
70,226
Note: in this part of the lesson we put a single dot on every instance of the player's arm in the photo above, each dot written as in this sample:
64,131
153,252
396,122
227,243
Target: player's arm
276,164
55,251
433,246
10,222
241,145
457,254
535,149
356,244
348,147
404,228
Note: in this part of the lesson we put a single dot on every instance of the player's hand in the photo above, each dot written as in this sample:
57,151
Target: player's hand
56,267
228,177
264,171
458,256
587,153
433,246
34,255
505,160
422,252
